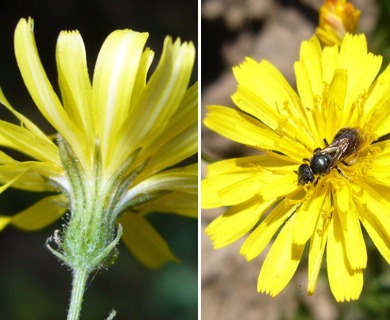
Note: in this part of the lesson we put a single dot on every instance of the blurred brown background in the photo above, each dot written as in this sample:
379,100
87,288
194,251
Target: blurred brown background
271,30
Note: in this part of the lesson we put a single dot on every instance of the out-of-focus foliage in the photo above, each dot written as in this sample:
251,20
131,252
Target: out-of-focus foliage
382,32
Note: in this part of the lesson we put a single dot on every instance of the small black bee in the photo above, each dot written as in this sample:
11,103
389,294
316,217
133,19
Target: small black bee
346,142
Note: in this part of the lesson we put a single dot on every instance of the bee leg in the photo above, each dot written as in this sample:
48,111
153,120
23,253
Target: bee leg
326,142
341,172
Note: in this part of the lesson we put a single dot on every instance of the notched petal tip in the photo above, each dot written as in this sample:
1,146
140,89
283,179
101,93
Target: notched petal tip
266,290
68,33
347,298
25,25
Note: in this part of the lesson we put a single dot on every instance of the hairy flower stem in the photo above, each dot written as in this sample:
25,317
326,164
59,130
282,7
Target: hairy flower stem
88,240
80,277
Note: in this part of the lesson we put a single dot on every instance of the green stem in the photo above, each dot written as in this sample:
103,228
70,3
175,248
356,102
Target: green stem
80,277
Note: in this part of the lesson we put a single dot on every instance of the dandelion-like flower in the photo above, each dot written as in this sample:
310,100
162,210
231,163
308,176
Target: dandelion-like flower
337,18
269,196
121,138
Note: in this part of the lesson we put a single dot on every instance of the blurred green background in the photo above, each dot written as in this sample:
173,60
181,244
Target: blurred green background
382,33
33,284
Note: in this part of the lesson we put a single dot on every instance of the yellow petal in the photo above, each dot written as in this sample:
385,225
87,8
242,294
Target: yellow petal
378,234
362,67
165,90
24,120
248,164
184,179
226,179
179,148
230,192
307,216
227,189
310,60
29,175
378,171
317,246
24,141
41,214
352,232
280,263
10,182
4,221
242,128
338,91
162,95
373,213
113,80
308,71
263,92
346,284
39,86
329,63
236,222
176,202
279,185
375,107
74,81
213,188
180,137
144,241
142,74
223,173
262,235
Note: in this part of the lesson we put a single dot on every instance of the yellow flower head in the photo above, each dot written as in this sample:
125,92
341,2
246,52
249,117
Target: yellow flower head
337,18
341,116
119,137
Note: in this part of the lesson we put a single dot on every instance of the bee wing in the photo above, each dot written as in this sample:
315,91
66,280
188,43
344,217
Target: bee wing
340,149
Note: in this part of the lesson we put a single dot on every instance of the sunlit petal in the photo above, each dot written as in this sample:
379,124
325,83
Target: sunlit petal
281,262
326,168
